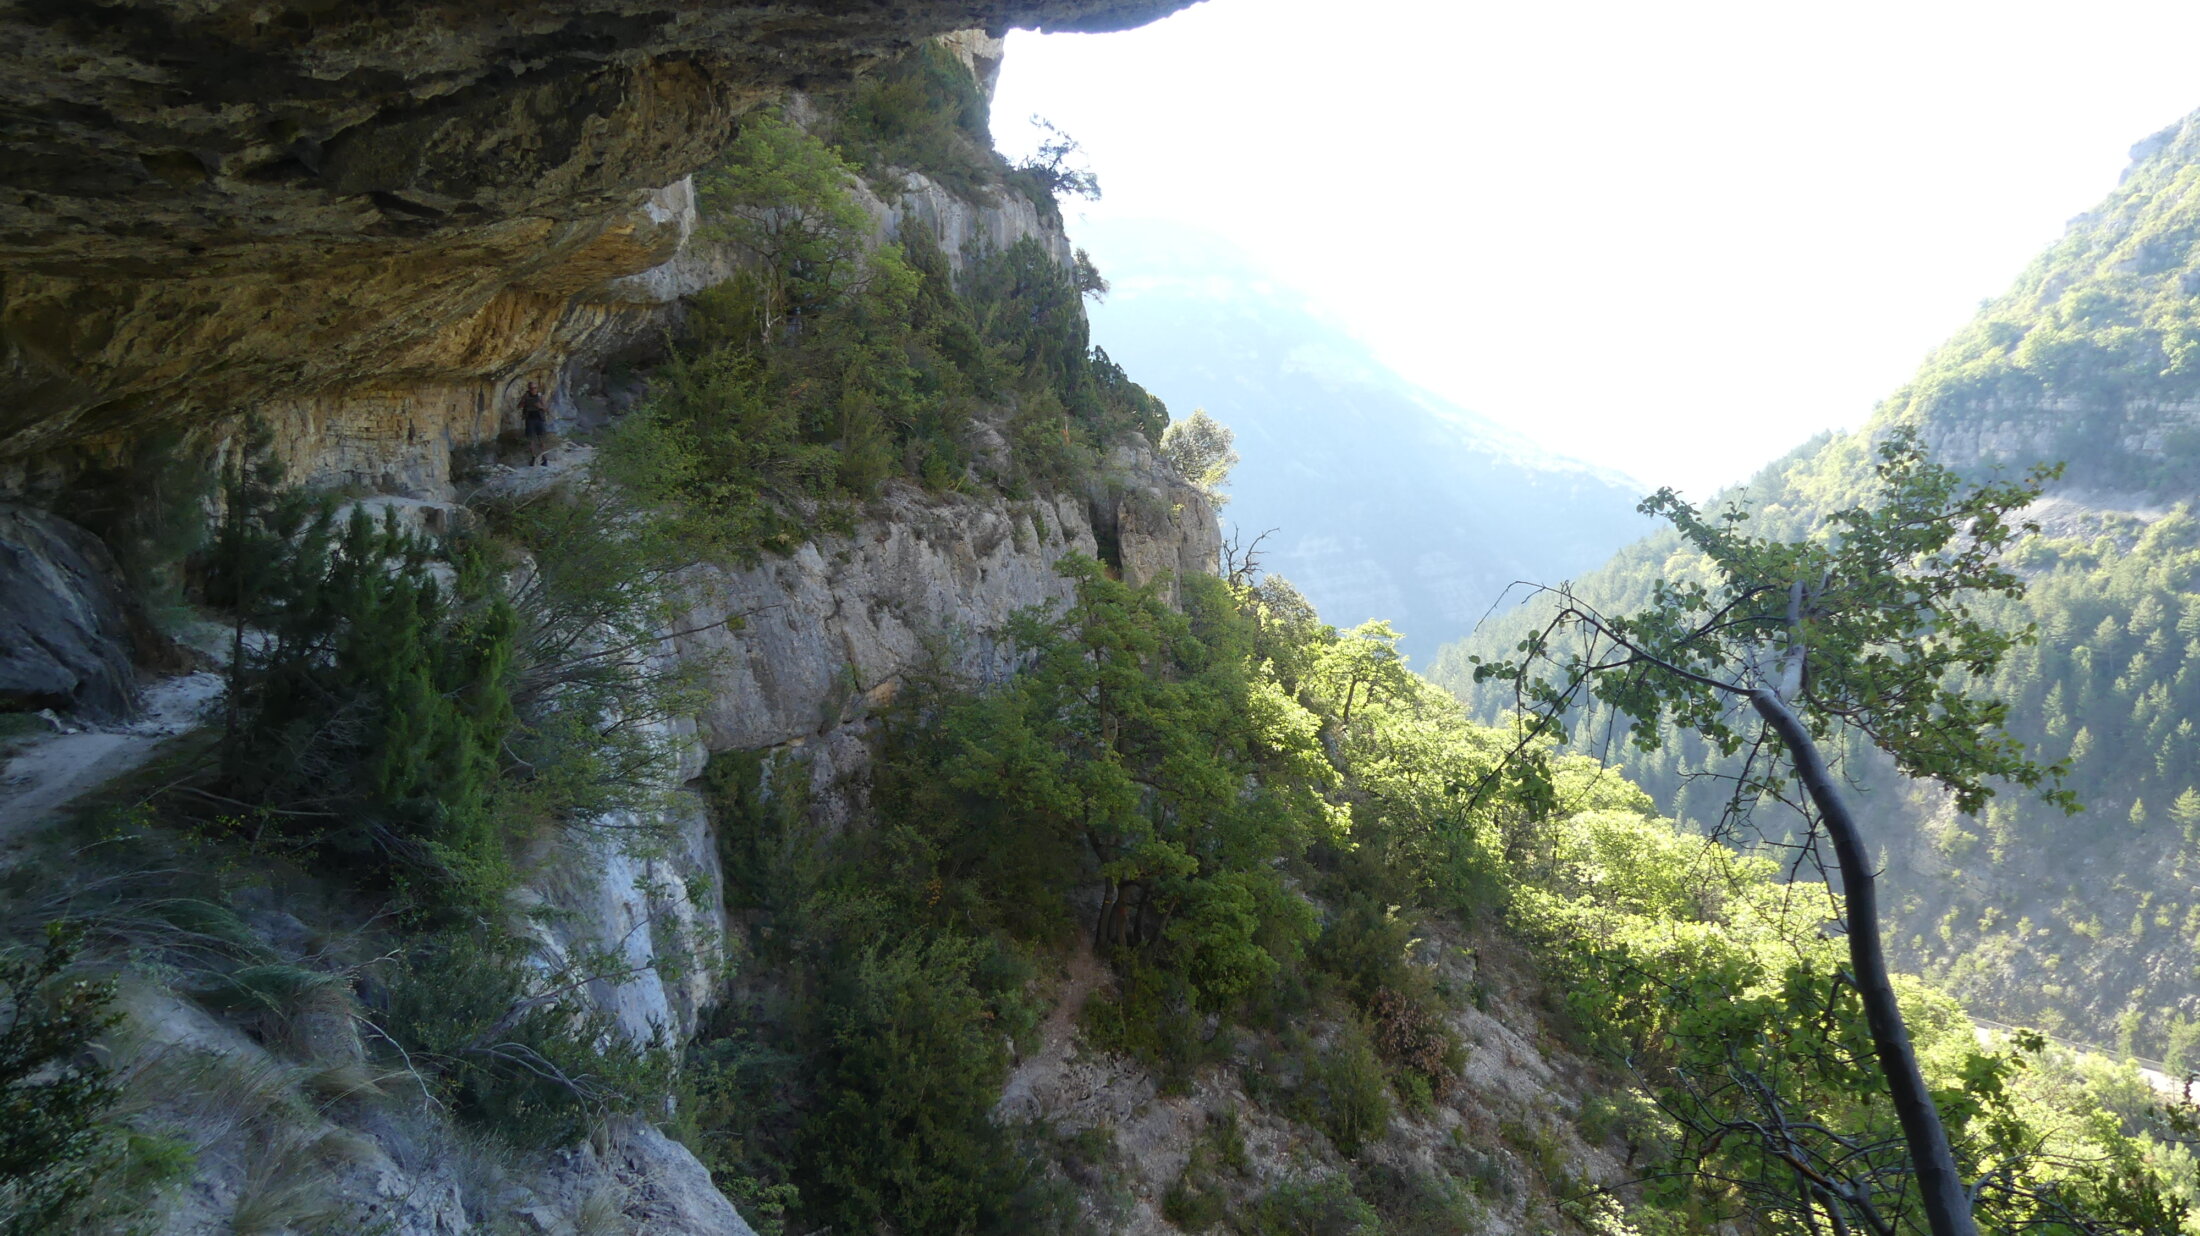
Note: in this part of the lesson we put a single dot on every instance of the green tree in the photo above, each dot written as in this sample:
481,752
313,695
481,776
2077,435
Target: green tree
782,195
372,711
1858,630
1057,166
1204,450
2185,812
905,1083
54,1097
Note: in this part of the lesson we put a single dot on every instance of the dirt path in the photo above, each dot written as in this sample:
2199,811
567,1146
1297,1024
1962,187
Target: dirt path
54,771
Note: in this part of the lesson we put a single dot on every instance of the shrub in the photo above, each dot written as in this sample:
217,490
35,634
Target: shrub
370,707
1204,450
1410,1033
506,1045
738,1088
1323,1207
1198,1199
1414,1202
590,582
55,1147
1152,1018
905,1080
781,195
1344,1093
924,112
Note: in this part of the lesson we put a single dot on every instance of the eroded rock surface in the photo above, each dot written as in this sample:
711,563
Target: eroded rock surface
925,580
64,620
218,203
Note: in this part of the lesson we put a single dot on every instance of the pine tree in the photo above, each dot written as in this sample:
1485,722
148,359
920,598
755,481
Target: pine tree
2185,812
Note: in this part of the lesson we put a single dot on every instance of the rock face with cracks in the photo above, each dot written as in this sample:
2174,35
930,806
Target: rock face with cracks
371,222
212,203
64,629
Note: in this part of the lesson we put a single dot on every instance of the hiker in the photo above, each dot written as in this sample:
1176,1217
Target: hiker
537,415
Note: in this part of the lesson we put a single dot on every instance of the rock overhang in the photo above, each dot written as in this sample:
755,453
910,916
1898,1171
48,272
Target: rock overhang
211,203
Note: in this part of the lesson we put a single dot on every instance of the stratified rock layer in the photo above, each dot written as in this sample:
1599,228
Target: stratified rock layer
211,204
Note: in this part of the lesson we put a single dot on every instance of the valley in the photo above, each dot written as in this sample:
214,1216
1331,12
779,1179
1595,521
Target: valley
611,623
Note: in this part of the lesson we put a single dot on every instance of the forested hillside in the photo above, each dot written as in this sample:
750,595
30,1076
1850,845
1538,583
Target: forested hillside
2086,925
834,783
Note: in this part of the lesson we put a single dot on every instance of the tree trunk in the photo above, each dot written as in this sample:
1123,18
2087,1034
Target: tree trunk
1940,1185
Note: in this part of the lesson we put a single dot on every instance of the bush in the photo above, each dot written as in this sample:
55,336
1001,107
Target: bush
1198,1200
1323,1207
1410,1033
369,709
818,374
1413,1202
589,587
921,111
1345,1094
55,1147
906,1076
738,1088
506,1045
1153,1018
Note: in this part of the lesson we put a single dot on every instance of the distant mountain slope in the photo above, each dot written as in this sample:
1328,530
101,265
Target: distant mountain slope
2094,356
2091,924
1386,501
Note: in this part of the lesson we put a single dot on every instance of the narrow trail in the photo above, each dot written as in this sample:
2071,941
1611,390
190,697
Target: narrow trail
57,769
54,771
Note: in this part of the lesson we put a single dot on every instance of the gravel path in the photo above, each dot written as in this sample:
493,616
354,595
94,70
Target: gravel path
54,771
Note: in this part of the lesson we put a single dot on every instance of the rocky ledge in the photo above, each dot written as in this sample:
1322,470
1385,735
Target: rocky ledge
212,203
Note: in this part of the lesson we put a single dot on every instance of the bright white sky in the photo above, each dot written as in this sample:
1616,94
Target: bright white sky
1671,239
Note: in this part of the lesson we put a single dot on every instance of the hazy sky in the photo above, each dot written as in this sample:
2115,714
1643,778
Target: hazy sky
1670,239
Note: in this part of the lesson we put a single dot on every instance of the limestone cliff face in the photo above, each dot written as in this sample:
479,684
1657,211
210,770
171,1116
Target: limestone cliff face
215,205
2093,357
925,582
395,432
369,228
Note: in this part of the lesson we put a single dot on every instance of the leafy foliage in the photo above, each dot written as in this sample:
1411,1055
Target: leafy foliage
55,1144
1057,167
1862,627
903,1087
828,367
369,708
921,111
781,195
507,1047
1873,621
2107,598
1202,449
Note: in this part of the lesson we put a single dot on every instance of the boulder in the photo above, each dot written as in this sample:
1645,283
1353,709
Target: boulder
65,627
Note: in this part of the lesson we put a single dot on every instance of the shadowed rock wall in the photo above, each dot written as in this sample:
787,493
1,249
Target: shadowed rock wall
214,203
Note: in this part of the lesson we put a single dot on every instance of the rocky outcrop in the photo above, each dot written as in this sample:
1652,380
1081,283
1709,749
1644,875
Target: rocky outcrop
797,652
828,630
65,629
395,430
1157,524
960,226
641,890
224,204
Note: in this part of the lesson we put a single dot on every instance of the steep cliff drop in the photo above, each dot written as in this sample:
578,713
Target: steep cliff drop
342,244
